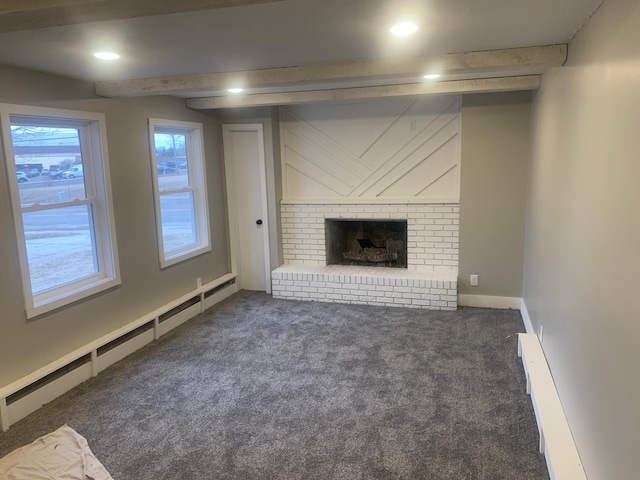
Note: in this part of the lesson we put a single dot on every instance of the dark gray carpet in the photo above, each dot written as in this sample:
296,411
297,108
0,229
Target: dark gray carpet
257,388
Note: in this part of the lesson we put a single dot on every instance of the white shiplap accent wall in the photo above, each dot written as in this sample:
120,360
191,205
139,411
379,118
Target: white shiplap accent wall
391,149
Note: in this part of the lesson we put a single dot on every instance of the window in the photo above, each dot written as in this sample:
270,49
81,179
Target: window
180,194
58,174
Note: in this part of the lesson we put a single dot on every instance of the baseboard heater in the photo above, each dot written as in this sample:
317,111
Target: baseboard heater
24,396
556,441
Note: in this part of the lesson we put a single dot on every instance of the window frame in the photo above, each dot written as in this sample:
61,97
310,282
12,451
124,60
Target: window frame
98,197
194,144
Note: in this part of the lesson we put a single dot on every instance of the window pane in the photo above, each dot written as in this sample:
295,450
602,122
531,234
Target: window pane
179,174
171,160
60,246
178,221
48,164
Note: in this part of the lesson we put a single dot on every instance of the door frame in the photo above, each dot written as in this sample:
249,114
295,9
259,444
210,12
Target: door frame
232,191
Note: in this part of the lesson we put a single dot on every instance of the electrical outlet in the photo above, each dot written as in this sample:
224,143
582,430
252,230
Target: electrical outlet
473,280
198,282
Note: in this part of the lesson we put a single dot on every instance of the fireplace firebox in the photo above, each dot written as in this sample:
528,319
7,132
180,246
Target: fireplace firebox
375,242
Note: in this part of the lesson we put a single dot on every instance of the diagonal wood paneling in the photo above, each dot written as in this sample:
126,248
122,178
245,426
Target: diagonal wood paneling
317,172
303,185
303,137
395,148
437,132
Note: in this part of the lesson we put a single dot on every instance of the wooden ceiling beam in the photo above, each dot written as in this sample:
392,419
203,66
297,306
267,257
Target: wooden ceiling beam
509,61
18,15
480,85
17,6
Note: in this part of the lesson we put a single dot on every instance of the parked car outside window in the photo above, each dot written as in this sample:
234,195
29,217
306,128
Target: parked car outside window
166,168
73,172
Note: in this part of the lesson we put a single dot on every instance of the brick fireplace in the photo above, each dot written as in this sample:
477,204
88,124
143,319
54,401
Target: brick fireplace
392,159
428,279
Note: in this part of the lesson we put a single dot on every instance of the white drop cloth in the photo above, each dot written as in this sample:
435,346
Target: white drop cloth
61,455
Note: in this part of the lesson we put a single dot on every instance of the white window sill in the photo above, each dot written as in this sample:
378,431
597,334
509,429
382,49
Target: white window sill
71,296
184,255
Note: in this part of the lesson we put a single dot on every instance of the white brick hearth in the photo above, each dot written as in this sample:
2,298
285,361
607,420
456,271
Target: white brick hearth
429,281
391,287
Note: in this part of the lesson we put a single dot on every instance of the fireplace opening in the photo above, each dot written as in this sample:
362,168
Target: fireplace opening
375,243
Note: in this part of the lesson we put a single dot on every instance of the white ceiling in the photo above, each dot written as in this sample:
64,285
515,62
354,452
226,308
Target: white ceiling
289,33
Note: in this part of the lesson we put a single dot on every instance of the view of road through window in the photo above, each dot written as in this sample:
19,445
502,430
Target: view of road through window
62,207
62,237
176,189
59,203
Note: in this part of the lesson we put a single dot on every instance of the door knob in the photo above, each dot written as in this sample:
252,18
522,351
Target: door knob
259,222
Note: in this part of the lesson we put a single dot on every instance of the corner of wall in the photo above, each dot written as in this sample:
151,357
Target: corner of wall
526,319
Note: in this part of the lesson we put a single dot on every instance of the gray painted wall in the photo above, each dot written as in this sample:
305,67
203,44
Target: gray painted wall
583,234
26,345
493,177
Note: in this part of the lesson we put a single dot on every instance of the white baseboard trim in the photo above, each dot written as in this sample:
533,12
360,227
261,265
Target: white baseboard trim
34,390
526,319
488,301
556,440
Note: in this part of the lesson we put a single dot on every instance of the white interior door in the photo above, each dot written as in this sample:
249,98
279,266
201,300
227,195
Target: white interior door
247,203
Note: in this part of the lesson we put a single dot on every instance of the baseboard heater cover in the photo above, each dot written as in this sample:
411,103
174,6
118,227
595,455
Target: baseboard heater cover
52,377
556,441
29,393
222,286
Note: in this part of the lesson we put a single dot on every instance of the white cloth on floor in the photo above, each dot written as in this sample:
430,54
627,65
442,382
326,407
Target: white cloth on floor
60,455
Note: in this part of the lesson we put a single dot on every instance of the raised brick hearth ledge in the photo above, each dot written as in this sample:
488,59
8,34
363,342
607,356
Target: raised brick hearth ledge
431,288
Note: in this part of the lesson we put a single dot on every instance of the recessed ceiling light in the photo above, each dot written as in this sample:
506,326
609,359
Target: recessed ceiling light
236,90
432,76
106,55
403,29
